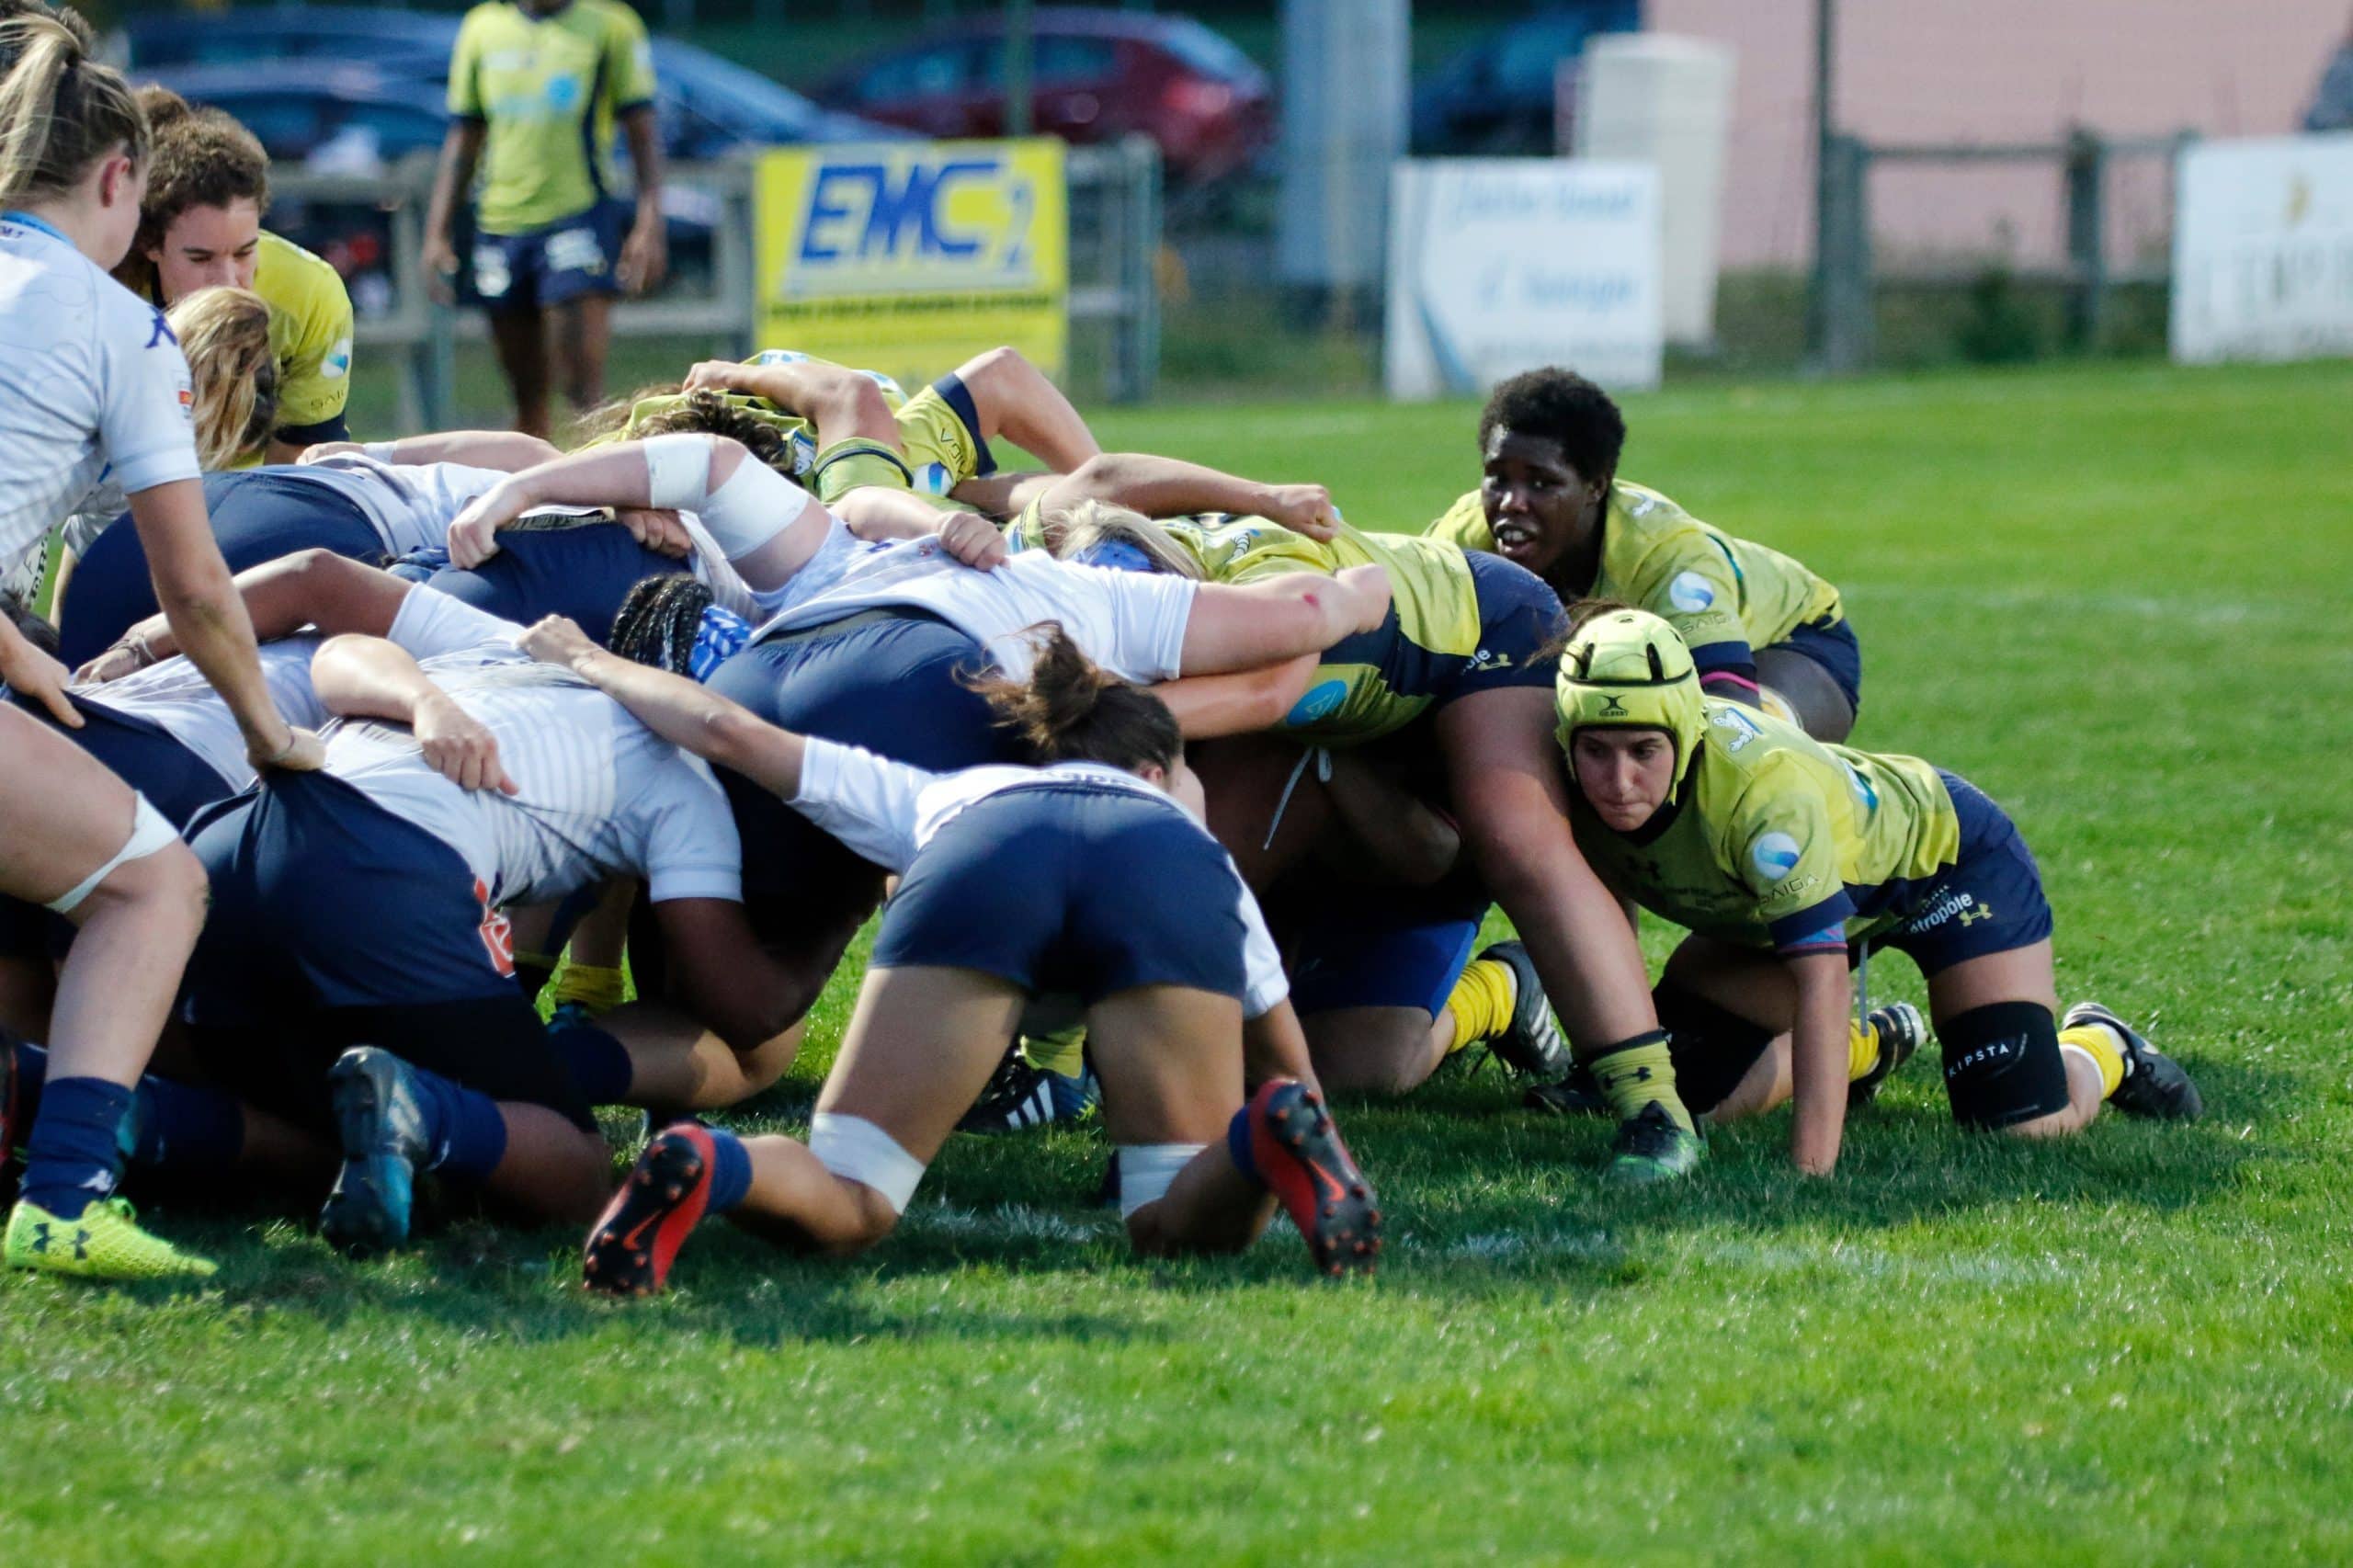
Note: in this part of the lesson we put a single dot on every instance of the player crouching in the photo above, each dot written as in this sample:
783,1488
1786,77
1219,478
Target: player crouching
1089,874
1788,861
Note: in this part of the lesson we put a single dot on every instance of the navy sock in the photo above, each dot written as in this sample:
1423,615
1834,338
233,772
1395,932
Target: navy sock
73,1157
730,1171
1237,1146
463,1127
598,1063
185,1127
32,1072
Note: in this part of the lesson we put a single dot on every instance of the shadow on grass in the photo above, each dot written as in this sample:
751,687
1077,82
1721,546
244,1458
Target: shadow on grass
1480,1195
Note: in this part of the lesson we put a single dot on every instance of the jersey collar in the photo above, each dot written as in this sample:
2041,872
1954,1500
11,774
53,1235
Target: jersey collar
43,225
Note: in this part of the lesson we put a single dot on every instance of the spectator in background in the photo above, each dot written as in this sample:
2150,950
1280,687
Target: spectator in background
199,227
535,87
2333,102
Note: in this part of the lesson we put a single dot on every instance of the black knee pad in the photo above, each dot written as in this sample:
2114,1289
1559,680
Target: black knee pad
1714,1048
2002,1065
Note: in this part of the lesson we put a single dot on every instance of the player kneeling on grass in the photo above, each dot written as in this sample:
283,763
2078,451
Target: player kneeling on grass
1089,874
1788,861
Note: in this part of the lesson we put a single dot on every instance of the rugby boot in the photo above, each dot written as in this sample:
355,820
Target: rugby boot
635,1240
1901,1031
105,1243
1298,1151
2154,1085
1651,1147
381,1125
1533,1045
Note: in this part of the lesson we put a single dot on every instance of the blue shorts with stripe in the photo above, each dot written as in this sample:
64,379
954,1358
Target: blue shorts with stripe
1837,650
1989,901
1071,888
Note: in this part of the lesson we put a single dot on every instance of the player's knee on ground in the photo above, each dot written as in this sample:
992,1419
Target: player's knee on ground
1716,1051
1381,1052
2004,1071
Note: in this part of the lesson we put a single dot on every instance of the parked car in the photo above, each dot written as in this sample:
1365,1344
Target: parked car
1496,97
1095,76
707,107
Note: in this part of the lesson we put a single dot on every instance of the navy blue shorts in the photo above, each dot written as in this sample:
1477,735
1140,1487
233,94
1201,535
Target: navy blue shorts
1071,888
1989,901
894,683
176,781
1520,618
258,514
550,264
291,969
1347,945
582,573
1832,647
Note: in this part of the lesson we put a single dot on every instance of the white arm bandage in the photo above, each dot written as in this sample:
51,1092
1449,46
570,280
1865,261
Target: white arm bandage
677,471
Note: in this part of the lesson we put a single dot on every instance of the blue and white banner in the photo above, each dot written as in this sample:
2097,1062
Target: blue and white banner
1499,266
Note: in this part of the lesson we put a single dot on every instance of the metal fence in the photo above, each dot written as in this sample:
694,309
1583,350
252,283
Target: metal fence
1849,280
1115,217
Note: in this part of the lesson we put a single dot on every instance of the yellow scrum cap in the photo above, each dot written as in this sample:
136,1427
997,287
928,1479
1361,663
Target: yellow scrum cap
1627,669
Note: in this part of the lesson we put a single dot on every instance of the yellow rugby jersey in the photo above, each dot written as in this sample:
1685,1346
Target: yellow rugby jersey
1776,840
310,336
548,90
1377,682
1712,588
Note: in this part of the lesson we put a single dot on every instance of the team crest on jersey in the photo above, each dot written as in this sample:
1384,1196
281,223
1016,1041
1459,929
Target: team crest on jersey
337,362
1775,856
1742,727
1690,593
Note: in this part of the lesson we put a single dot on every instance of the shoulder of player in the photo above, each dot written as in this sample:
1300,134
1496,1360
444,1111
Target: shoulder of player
1752,767
296,283
1464,523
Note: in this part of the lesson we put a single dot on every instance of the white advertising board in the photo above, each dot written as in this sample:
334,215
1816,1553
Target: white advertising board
1499,266
2263,250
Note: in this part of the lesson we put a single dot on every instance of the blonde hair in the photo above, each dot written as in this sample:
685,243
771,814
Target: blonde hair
60,110
225,334
1073,530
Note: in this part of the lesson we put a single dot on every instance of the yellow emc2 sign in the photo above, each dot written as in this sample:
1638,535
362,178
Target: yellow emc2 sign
911,256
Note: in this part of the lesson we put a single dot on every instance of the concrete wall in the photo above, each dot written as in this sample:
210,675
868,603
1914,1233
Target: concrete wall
1994,71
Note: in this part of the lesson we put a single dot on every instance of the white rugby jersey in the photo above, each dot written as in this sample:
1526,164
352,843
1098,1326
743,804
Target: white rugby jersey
173,695
600,794
889,810
93,386
1129,624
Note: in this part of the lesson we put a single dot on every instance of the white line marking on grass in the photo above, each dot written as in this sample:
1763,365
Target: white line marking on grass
1012,1221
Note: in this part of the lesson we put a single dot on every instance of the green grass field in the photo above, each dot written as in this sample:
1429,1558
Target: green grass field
2113,596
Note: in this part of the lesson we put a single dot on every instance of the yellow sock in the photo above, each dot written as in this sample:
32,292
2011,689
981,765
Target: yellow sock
1482,1003
1862,1050
597,990
1064,1051
1633,1076
2106,1051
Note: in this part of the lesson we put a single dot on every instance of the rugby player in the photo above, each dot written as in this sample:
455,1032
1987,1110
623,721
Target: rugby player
199,227
1765,630
535,87
1088,873
1789,860
94,381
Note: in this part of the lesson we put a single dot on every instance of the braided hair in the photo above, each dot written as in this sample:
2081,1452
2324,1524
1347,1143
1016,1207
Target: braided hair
659,620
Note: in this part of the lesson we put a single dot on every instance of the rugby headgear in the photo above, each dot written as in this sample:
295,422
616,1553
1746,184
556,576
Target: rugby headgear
1629,670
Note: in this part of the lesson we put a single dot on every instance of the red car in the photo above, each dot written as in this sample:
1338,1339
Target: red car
1095,76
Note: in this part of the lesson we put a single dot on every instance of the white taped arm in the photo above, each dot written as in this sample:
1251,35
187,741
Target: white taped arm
677,471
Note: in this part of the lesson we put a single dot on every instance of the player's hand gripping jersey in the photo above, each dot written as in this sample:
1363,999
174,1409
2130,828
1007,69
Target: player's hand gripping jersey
1727,597
1455,623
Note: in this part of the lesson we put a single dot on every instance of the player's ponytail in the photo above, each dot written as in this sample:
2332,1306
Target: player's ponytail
233,372
1098,532
60,109
1070,712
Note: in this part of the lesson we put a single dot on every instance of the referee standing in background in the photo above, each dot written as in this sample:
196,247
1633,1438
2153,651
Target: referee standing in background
535,87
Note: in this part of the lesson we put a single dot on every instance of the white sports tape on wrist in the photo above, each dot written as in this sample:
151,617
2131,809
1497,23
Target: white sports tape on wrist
677,471
149,832
755,505
1147,1169
856,1150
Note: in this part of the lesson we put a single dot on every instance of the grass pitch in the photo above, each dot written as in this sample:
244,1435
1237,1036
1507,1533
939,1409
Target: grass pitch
2115,597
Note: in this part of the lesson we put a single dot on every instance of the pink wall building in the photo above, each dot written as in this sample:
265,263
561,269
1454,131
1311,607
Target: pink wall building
1994,71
